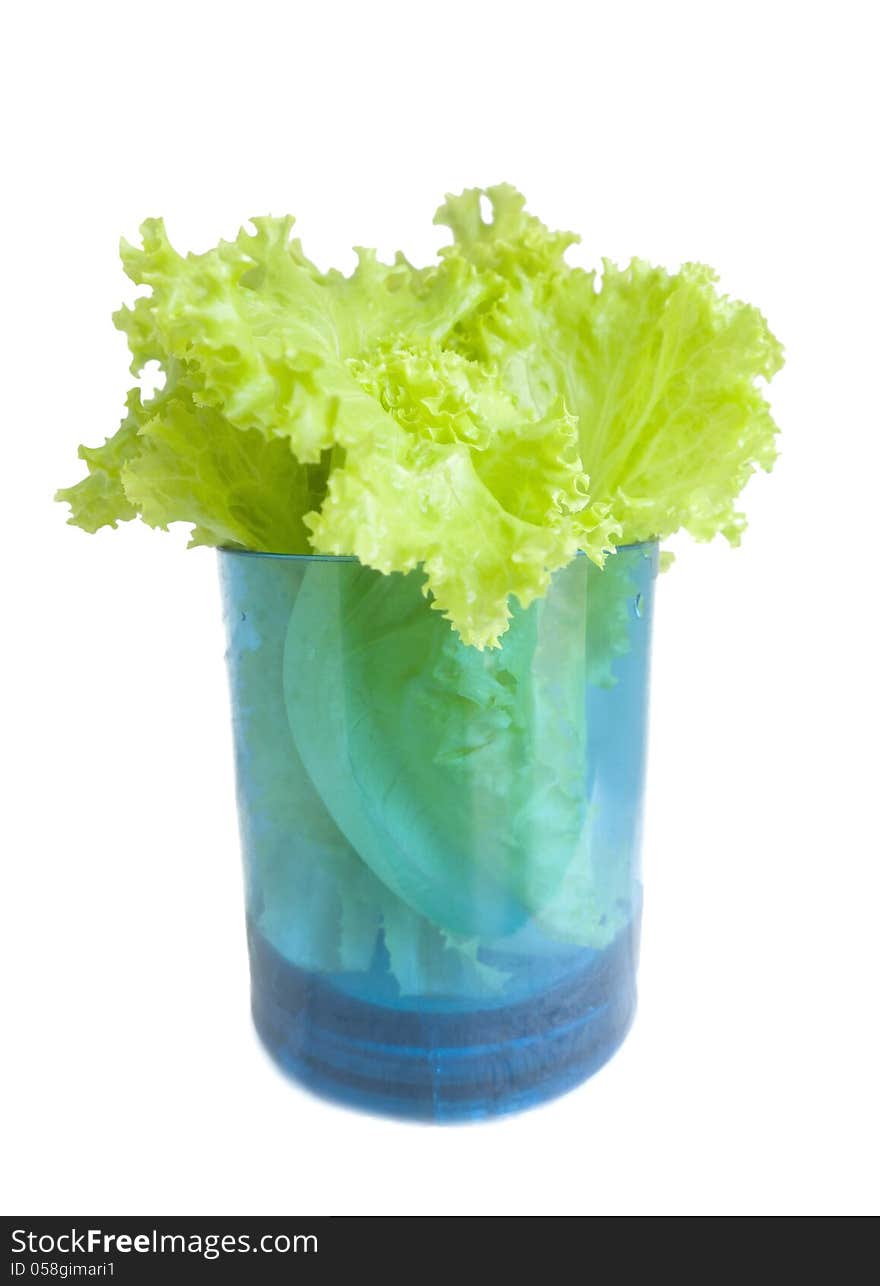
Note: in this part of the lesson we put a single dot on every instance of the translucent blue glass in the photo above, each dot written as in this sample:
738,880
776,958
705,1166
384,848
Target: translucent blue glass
441,845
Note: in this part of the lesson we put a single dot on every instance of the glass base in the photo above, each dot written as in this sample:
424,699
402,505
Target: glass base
436,1062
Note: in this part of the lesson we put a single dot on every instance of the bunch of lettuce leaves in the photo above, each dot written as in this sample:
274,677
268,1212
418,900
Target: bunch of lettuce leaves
484,418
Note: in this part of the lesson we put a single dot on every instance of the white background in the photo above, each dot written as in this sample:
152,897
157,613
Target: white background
741,134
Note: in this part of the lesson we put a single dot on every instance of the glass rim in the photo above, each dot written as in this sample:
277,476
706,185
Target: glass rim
353,558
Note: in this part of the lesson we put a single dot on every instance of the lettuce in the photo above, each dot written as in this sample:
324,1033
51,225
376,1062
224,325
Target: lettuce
341,908
482,419
422,720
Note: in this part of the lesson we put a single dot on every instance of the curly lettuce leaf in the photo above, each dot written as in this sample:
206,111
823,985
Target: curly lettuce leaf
489,504
659,369
238,489
175,460
99,499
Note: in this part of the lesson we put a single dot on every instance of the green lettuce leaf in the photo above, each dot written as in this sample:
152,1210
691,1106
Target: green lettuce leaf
659,370
309,892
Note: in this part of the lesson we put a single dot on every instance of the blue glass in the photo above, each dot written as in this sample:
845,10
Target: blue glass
441,845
